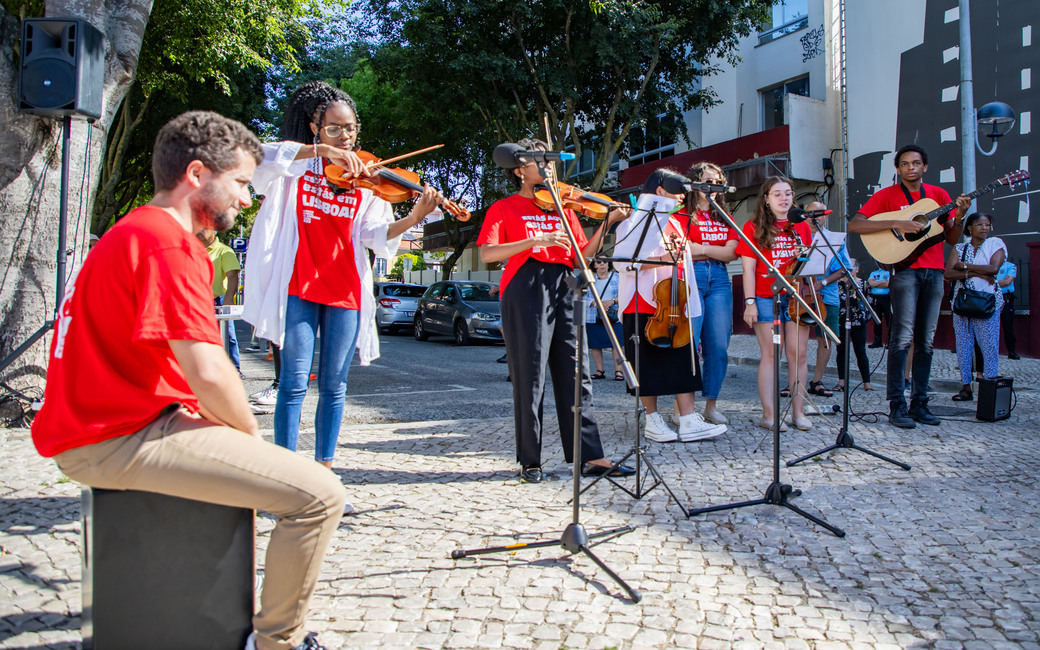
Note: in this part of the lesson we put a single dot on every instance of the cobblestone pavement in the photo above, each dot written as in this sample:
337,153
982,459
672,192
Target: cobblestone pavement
946,555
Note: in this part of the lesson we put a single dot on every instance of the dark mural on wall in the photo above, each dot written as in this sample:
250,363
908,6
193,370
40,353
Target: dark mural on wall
999,57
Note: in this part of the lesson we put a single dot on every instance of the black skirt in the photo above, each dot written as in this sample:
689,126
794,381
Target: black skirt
661,371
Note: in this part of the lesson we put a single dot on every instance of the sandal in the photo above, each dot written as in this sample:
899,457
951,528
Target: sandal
964,395
785,392
619,376
840,388
599,374
816,388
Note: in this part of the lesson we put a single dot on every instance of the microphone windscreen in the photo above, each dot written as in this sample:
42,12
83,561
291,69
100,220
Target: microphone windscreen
505,155
672,182
796,215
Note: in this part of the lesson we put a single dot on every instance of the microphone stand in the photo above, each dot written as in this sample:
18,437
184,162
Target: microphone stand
845,439
638,449
575,538
776,493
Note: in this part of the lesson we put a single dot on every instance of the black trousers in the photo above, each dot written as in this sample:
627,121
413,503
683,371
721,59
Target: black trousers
883,307
858,334
1007,322
540,331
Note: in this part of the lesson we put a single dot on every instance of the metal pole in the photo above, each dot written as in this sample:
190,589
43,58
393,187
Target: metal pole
968,125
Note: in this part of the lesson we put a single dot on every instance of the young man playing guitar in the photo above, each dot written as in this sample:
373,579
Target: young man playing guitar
917,288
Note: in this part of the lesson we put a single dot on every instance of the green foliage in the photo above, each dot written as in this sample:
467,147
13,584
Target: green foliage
596,69
397,270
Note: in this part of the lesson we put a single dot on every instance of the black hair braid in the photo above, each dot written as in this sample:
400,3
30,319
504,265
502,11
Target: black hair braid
310,100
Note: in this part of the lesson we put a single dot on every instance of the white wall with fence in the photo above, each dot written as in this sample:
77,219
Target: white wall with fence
430,276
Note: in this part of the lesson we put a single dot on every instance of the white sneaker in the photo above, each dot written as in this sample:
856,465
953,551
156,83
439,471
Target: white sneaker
675,418
657,430
266,397
693,427
715,417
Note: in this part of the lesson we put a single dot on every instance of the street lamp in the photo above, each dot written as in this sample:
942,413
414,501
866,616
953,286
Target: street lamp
998,119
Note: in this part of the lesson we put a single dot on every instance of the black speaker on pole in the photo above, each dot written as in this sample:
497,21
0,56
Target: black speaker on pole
62,71
994,399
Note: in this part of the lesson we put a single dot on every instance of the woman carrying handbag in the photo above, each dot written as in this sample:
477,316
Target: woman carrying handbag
973,267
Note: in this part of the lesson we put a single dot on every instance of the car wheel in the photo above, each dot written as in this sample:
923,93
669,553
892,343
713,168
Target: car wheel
461,333
420,332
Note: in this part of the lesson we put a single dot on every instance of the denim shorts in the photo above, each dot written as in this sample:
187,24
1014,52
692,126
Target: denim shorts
765,309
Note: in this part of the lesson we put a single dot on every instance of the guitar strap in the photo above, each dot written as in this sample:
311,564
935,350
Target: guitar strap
910,197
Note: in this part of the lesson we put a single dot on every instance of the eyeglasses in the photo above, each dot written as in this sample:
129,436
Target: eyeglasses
336,130
781,194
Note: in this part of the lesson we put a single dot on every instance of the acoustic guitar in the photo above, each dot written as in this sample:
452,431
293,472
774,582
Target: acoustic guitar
898,249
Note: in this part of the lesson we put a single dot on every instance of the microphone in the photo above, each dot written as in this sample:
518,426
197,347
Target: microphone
510,156
798,215
676,183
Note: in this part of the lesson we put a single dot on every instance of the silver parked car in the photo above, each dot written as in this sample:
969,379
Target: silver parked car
396,303
461,309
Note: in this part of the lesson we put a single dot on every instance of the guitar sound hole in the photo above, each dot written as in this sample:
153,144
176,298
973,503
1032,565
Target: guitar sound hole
920,234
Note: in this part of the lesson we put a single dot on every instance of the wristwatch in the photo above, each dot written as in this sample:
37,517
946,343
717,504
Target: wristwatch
749,301
823,282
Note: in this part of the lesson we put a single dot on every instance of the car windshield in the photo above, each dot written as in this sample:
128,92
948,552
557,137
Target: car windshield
479,292
404,291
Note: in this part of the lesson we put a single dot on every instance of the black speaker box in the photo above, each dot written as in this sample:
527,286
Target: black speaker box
62,72
994,399
165,573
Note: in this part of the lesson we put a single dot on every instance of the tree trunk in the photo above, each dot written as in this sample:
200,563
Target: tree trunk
30,178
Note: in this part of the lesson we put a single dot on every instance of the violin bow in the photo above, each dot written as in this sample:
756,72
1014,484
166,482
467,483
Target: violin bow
383,163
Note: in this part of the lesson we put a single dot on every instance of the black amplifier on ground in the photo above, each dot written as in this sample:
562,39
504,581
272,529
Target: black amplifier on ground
994,399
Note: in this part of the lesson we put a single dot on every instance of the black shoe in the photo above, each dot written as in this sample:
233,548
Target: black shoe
310,642
874,346
1013,356
898,416
509,378
620,471
920,413
531,474
502,359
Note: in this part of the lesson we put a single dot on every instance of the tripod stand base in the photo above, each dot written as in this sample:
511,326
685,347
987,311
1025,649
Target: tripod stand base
846,441
574,539
642,487
777,494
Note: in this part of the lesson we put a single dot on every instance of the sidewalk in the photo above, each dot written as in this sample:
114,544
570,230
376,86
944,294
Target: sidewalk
944,556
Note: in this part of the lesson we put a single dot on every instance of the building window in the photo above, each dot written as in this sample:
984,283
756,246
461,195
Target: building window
652,141
773,101
786,18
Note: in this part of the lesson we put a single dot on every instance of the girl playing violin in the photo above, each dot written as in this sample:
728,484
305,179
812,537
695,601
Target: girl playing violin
662,371
538,319
713,244
779,242
307,265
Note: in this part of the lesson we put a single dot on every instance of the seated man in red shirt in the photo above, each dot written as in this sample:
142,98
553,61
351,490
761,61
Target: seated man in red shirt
140,394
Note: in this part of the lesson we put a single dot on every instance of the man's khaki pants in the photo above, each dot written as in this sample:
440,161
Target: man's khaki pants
185,456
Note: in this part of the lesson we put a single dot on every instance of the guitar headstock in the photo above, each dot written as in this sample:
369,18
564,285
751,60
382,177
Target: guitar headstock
1012,179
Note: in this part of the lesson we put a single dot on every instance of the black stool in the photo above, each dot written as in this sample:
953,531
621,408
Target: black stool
163,572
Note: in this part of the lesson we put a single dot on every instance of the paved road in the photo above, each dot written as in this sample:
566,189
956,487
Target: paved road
944,556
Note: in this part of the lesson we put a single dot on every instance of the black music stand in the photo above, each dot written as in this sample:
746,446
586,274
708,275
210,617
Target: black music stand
575,538
845,439
776,493
638,449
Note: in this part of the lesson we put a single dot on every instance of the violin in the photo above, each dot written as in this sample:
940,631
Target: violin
588,204
391,185
669,327
805,288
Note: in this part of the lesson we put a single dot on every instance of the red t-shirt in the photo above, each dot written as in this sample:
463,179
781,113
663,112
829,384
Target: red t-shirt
325,271
516,218
891,198
147,281
791,237
705,229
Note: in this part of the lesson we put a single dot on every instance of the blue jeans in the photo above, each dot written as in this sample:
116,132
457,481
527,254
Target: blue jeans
232,339
339,328
712,329
916,295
